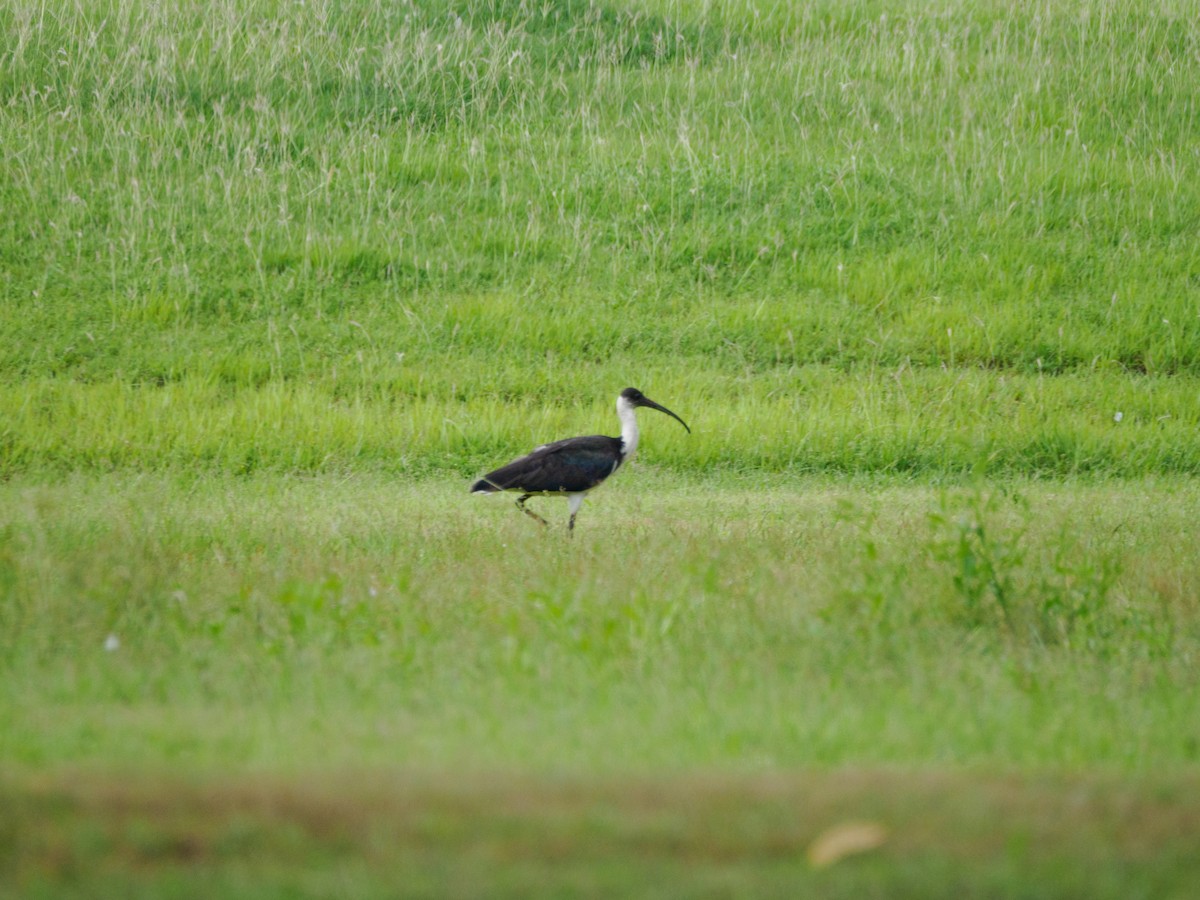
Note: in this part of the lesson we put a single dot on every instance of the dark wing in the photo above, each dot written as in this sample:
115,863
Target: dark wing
575,464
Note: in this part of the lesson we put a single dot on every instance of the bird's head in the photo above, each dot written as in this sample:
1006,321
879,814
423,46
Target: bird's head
635,398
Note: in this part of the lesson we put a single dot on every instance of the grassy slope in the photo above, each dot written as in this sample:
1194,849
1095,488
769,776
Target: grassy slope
401,226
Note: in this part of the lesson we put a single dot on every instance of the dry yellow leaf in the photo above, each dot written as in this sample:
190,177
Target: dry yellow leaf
845,839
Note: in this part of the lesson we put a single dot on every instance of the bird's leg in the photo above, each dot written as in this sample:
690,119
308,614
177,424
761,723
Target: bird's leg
529,512
574,501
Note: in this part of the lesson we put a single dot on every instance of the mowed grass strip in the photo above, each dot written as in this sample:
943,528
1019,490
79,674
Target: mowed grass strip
286,624
407,834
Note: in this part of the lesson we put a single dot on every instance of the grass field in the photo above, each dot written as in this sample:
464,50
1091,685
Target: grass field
277,278
226,675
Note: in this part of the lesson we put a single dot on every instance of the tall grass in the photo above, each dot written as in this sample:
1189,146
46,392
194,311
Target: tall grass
415,422
541,202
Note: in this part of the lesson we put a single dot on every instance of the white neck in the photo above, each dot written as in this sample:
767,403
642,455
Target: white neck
629,429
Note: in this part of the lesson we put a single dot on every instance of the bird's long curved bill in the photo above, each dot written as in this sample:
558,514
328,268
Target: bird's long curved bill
646,401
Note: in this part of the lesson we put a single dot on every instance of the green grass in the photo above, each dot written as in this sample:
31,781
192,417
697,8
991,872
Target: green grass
399,206
278,278
290,624
704,672
693,836
926,423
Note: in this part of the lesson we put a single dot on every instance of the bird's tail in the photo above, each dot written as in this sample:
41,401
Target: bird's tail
483,486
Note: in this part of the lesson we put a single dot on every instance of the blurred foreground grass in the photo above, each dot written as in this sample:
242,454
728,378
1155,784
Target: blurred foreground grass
388,834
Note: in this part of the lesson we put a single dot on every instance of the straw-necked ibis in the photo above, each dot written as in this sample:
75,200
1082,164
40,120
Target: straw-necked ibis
573,466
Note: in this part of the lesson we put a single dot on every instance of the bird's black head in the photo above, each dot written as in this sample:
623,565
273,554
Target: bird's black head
636,398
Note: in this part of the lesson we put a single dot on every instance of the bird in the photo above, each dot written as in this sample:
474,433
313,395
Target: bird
575,465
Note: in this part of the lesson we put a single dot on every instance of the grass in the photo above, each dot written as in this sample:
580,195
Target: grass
693,836
806,421
254,641
400,207
414,624
280,277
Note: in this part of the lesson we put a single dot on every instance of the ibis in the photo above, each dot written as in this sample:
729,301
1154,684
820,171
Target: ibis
573,466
